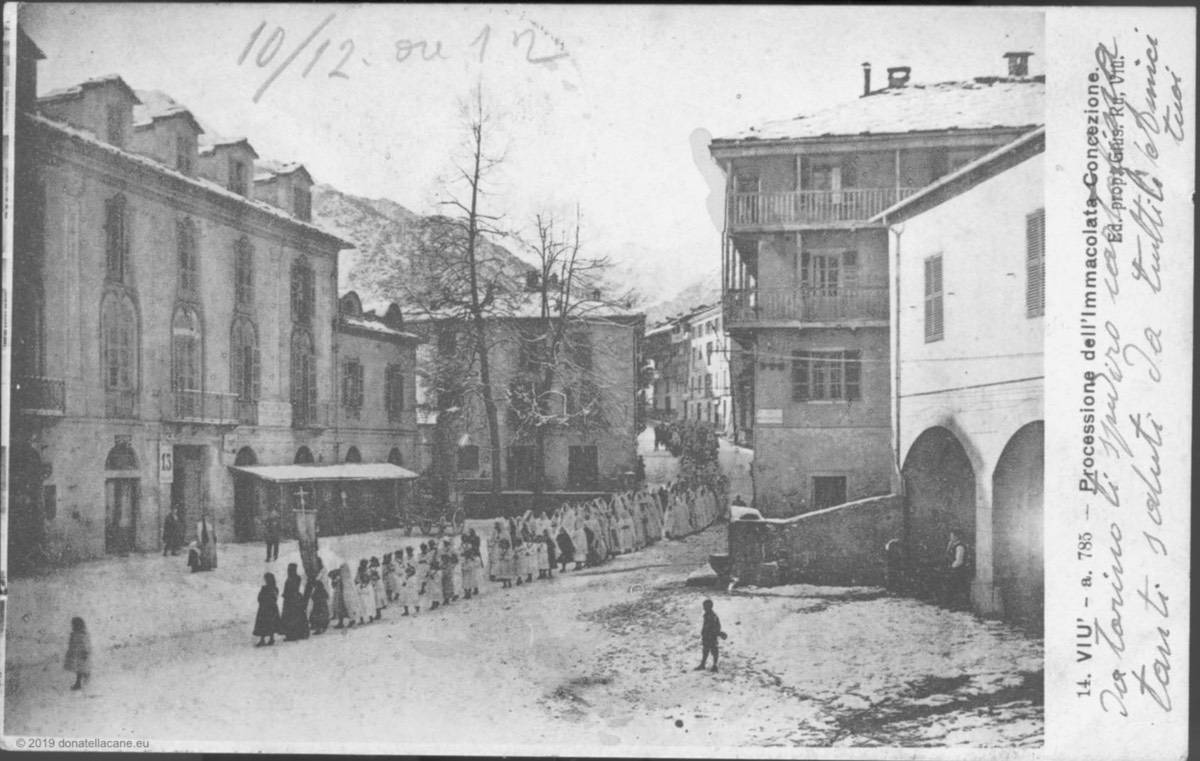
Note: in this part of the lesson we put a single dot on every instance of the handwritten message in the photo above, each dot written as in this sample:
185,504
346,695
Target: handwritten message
529,41
1135,126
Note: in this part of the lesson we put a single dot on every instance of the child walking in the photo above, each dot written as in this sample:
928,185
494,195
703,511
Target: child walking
710,631
79,653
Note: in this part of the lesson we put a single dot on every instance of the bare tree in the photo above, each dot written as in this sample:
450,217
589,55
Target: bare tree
564,378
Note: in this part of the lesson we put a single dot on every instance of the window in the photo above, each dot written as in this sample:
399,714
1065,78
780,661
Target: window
304,379
447,342
353,455
520,467
303,294
244,361
119,343
933,299
393,392
116,238
829,174
302,202
185,241
826,375
243,275
828,274
468,457
1035,264
708,384
828,491
352,386
580,348
185,350
583,467
708,352
183,154
238,179
115,125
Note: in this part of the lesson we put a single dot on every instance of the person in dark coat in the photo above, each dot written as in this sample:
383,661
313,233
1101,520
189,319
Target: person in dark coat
318,618
710,632
266,623
79,653
566,549
551,552
171,539
293,624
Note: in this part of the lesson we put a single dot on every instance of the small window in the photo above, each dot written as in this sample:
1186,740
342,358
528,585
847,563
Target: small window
183,154
303,292
243,276
302,202
1035,264
393,392
933,299
239,181
828,491
189,275
115,124
826,376
352,385
468,457
116,233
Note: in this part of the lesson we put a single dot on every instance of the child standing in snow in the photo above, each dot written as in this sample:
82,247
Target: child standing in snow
79,653
710,631
377,588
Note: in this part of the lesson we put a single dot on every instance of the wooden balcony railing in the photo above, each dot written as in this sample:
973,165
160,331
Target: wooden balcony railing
807,305
33,395
812,206
199,407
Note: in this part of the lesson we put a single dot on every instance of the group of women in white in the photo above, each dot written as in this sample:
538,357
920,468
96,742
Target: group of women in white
587,534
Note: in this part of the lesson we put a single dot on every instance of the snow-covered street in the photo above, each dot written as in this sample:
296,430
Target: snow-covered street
596,658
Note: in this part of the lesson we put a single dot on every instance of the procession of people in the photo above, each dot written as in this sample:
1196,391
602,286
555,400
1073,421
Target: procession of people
519,551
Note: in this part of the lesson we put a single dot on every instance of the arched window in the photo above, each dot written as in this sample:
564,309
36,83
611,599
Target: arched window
243,280
304,456
116,234
185,350
353,455
394,456
119,342
304,379
303,293
244,363
189,272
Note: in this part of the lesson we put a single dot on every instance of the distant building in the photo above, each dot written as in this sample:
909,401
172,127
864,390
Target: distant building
594,449
173,329
708,398
806,278
970,256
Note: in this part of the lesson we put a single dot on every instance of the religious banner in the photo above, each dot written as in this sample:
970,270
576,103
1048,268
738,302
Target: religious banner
306,530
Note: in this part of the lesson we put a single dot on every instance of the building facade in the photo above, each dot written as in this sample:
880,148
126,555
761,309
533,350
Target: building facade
970,298
708,397
169,326
806,277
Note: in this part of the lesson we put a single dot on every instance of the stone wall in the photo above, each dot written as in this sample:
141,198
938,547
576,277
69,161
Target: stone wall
841,545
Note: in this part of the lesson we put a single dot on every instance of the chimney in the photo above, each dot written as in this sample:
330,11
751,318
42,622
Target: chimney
866,78
898,75
1018,63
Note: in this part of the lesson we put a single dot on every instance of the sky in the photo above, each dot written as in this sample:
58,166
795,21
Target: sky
607,109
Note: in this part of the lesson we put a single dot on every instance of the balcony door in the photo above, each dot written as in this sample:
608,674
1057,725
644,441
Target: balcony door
828,280
187,484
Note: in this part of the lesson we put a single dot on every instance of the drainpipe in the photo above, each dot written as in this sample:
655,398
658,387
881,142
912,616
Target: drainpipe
898,231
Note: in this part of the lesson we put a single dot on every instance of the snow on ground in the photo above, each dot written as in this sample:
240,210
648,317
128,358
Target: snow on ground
600,658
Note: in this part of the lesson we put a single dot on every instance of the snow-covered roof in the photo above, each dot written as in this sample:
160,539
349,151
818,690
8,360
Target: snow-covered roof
980,103
366,323
74,91
347,471
156,104
208,186
268,169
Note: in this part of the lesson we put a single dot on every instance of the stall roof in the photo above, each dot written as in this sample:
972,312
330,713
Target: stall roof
350,471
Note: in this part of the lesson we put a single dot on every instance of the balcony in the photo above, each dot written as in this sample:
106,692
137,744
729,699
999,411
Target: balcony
788,306
316,415
120,403
200,407
812,207
247,411
40,396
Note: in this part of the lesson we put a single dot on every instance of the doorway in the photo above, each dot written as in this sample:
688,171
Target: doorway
121,509
188,485
245,502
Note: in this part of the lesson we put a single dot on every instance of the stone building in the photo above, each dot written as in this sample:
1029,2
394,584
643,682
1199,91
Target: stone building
806,277
969,305
708,398
170,326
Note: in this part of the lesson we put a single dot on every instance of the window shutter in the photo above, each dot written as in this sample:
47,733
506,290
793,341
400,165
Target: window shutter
1035,263
933,299
310,299
852,364
850,269
800,379
805,278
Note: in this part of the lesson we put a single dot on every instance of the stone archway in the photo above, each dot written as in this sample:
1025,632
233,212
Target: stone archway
1017,518
304,456
245,499
939,495
122,494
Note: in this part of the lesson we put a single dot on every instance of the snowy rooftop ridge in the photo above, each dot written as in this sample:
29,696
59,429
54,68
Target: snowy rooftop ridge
91,140
980,103
375,324
75,91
